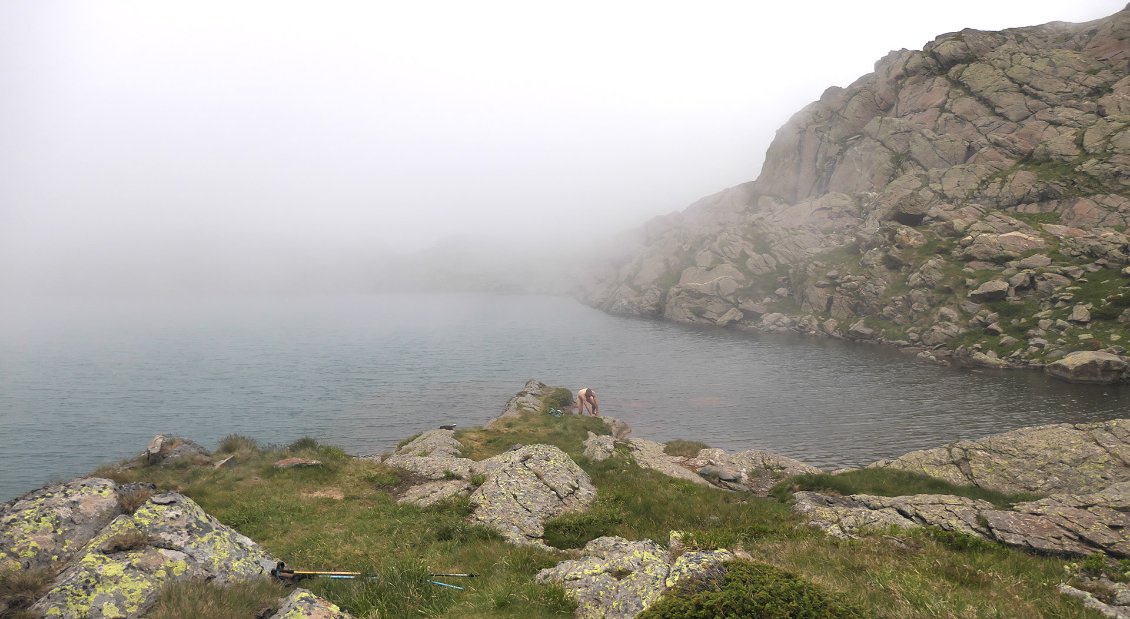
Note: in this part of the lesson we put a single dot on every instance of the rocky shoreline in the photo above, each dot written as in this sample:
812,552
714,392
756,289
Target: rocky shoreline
111,547
966,202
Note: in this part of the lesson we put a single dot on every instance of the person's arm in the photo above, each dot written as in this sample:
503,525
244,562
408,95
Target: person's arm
580,404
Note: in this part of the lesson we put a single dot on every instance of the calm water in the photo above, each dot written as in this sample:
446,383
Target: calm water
85,383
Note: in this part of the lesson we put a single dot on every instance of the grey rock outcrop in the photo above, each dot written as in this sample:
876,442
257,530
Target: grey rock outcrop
174,451
650,455
1063,524
599,447
119,569
911,189
47,527
1100,368
1057,458
754,470
434,455
528,400
525,488
617,579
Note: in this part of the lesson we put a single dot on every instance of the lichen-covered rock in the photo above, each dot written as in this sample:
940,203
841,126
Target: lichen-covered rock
433,492
845,517
434,454
528,400
599,447
1068,523
650,455
757,470
47,527
302,604
1060,524
619,428
526,487
121,569
617,579
1101,368
1058,458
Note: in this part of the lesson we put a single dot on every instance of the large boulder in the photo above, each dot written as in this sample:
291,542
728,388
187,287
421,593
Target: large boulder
846,517
1101,368
121,570
526,487
753,470
45,528
434,455
618,579
1080,458
650,455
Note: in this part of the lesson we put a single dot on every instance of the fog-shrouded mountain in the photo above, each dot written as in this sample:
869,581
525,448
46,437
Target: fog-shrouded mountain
972,197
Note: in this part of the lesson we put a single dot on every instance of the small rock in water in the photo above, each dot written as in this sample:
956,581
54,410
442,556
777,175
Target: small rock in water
450,426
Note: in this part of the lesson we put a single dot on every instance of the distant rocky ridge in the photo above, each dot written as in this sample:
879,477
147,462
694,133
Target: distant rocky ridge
968,201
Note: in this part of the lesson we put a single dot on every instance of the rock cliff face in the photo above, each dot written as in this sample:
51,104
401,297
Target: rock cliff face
970,197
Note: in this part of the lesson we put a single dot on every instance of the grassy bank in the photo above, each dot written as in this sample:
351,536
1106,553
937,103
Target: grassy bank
344,515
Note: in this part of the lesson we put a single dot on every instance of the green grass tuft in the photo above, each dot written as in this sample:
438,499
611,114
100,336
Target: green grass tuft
190,598
686,449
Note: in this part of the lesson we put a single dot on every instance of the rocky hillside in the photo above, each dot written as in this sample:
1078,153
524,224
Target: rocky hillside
970,198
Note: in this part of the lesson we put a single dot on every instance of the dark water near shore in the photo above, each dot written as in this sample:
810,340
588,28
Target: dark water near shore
84,383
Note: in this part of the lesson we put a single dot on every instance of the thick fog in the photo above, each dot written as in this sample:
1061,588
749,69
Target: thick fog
161,147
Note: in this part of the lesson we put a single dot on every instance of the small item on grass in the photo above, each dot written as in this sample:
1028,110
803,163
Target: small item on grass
282,572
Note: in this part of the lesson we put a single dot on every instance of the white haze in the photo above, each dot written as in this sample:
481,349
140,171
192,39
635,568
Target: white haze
161,147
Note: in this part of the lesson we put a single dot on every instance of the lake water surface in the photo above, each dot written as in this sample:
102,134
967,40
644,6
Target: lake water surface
84,383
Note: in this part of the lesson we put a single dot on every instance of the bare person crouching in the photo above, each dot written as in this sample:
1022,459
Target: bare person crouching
586,398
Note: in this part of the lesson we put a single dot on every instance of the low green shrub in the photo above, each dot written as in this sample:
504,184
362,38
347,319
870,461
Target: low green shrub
237,442
302,444
559,398
686,449
745,589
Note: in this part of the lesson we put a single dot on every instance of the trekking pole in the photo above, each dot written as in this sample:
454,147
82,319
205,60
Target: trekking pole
282,572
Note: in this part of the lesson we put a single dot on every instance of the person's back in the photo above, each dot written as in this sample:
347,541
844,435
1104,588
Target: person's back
586,398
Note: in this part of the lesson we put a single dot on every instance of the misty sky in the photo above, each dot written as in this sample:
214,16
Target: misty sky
139,139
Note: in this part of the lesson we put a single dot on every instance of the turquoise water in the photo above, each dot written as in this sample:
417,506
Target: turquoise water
83,383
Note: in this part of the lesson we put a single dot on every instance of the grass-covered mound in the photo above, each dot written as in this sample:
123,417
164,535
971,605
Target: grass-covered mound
742,589
343,515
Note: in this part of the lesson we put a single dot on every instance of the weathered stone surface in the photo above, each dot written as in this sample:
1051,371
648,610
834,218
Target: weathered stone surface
434,454
754,470
617,579
939,157
435,491
120,571
47,527
650,455
1082,458
599,447
619,428
302,604
174,451
525,488
1094,367
992,290
528,400
1060,524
